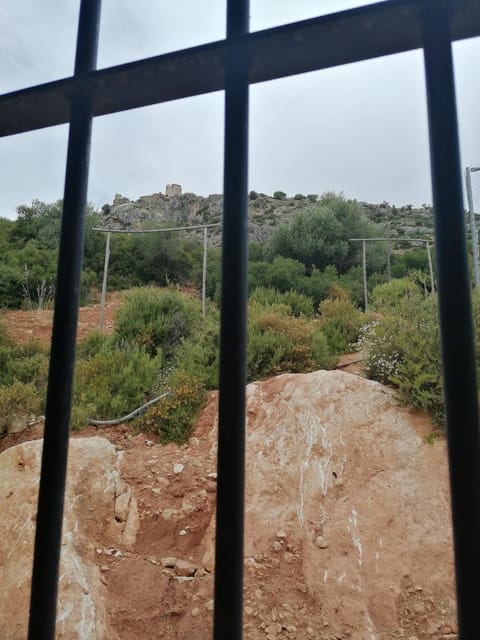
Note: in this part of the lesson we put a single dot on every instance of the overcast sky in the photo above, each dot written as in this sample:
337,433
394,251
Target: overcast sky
359,129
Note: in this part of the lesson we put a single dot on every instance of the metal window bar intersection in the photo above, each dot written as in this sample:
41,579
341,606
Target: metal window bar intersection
231,65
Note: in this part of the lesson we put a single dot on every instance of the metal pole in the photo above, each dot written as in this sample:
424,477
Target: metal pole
104,283
389,266
453,281
476,274
43,601
430,268
364,265
227,622
204,272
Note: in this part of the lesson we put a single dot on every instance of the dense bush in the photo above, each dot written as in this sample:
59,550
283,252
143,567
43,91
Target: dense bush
340,321
157,320
173,417
113,382
279,342
402,347
297,304
18,399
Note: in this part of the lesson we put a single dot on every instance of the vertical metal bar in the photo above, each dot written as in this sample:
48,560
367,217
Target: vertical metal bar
473,229
104,282
232,375
453,282
43,602
204,271
364,266
430,268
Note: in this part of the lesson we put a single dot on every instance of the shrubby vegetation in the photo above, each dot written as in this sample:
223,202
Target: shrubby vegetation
402,345
306,295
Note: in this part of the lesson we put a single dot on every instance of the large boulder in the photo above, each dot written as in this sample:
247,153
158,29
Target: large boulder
91,522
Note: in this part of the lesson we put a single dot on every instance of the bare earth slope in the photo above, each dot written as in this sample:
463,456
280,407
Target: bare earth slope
348,531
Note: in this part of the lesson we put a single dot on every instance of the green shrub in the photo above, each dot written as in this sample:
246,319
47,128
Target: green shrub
198,354
18,399
113,382
157,320
27,364
298,304
279,195
403,348
91,345
340,321
391,295
173,418
279,342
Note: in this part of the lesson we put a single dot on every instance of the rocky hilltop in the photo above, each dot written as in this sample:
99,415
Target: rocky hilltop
187,209
348,532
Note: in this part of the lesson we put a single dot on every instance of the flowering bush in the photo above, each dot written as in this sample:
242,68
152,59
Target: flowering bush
402,348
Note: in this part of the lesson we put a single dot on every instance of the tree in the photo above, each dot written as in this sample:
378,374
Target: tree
319,236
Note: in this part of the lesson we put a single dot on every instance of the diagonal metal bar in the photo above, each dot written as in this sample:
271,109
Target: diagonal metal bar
349,36
461,401
233,343
43,601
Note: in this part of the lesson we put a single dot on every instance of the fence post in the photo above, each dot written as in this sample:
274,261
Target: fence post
104,283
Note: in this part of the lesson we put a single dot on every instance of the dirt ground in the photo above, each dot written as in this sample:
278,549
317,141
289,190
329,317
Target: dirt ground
25,326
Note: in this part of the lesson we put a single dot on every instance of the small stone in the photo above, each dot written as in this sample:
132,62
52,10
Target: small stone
274,614
276,546
178,468
209,605
99,551
182,532
156,491
419,607
104,567
168,562
321,543
183,568
288,557
149,443
249,611
195,611
281,534
122,505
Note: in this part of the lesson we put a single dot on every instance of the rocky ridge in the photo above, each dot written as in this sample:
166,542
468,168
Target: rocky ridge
187,209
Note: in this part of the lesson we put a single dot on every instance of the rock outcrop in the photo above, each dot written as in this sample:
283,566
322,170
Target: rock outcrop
348,531
92,521
187,209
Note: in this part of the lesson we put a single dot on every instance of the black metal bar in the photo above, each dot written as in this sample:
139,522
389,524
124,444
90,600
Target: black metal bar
455,316
43,602
233,338
349,36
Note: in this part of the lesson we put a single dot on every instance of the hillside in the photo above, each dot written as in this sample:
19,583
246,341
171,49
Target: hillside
348,531
265,212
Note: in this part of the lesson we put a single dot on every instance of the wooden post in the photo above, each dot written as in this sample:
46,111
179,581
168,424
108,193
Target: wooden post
365,290
389,266
432,281
104,284
204,272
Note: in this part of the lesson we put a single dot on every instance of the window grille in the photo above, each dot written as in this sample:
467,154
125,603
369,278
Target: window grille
231,65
